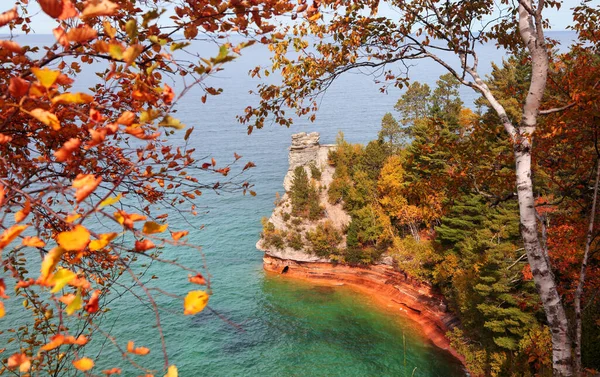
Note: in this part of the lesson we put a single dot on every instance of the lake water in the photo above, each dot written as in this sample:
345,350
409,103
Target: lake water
282,327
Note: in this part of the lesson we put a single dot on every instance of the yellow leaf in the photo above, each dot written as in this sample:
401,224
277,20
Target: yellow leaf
132,52
46,77
171,122
172,371
102,242
74,240
10,234
150,227
61,278
50,261
195,302
115,51
46,117
74,302
71,218
110,201
72,98
84,364
108,29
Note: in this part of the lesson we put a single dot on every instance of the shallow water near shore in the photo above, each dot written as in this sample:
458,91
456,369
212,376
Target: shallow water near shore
263,324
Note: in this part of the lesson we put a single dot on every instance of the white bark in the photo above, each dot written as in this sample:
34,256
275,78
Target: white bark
533,36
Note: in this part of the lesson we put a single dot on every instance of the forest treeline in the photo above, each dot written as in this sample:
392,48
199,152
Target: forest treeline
436,191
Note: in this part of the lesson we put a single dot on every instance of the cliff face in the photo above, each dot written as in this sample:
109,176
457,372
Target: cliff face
305,150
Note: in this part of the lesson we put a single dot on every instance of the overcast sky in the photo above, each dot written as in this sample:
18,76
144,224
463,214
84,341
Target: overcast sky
559,20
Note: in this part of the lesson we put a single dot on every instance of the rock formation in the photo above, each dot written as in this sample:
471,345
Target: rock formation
382,282
305,150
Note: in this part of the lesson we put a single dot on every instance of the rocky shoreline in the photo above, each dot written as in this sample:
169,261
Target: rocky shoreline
386,286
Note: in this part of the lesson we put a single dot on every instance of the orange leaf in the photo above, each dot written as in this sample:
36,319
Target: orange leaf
10,234
168,95
33,242
126,118
3,289
46,117
18,87
111,371
99,8
11,46
84,364
66,151
97,136
8,16
61,36
150,227
92,305
74,240
127,219
2,312
198,279
84,185
81,34
80,341
144,245
19,360
24,212
55,342
68,11
195,302
178,235
137,351
53,8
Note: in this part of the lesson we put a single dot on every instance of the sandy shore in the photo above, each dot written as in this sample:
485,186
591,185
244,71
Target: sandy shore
386,287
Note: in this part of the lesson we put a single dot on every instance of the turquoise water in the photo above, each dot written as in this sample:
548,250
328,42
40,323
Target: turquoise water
266,325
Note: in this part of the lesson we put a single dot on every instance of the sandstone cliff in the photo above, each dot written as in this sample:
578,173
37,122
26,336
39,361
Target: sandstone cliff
305,150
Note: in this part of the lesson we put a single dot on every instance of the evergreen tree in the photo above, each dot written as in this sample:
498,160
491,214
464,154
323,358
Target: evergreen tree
299,191
414,104
390,133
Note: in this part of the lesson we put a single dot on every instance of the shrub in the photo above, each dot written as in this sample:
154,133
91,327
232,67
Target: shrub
294,240
286,216
272,237
325,239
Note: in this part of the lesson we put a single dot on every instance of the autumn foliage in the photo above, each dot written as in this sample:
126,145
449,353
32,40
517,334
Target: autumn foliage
82,173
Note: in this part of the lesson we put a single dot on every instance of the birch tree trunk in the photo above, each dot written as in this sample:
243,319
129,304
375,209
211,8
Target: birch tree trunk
531,31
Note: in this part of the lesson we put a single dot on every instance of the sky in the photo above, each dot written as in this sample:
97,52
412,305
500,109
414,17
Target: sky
559,19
